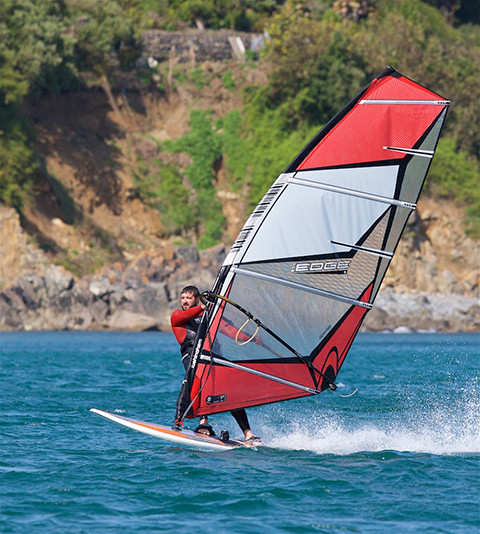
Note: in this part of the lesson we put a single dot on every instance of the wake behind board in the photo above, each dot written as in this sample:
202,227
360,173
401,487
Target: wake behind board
183,437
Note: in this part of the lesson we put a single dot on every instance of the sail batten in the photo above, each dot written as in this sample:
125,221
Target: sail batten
381,253
252,371
406,102
301,287
352,192
309,261
422,153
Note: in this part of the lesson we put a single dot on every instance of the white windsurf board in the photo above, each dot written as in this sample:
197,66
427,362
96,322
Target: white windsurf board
183,437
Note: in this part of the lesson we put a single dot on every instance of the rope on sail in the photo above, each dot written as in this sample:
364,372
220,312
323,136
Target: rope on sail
249,339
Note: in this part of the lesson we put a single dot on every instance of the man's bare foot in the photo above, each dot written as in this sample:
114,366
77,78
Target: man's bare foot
251,439
248,434
204,428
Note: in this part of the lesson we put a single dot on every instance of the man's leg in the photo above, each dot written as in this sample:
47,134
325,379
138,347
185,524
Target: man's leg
203,420
241,418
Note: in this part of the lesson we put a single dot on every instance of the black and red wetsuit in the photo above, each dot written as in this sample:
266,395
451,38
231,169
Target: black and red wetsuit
185,324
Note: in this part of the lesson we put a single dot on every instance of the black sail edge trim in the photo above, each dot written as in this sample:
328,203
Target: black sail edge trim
363,164
315,257
422,139
405,161
384,241
390,222
376,278
440,97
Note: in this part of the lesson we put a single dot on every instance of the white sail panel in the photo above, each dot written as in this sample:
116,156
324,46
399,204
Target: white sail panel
304,221
378,180
314,316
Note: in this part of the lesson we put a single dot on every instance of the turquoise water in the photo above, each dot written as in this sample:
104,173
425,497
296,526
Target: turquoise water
401,455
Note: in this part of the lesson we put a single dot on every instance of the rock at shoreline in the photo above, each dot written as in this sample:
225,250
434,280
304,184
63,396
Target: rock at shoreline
126,320
141,296
138,296
423,312
57,279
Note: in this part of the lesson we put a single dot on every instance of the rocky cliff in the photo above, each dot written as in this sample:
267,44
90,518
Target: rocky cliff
425,289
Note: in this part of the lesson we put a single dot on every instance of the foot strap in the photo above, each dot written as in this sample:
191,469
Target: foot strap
205,427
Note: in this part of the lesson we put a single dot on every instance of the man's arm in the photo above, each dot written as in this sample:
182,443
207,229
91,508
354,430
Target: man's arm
180,317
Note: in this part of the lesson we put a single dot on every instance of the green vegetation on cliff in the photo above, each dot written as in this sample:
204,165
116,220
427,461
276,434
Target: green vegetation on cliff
322,54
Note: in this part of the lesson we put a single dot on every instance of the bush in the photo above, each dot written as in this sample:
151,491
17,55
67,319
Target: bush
204,145
456,176
18,161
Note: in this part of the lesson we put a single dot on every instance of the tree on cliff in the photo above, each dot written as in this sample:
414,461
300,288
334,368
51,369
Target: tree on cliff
46,47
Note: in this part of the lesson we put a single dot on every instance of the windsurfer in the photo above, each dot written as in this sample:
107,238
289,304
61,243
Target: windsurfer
185,323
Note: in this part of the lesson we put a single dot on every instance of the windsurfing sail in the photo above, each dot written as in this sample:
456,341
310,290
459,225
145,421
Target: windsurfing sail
306,267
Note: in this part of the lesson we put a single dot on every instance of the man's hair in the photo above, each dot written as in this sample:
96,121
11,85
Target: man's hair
191,289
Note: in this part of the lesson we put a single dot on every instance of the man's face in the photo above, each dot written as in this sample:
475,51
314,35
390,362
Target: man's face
187,300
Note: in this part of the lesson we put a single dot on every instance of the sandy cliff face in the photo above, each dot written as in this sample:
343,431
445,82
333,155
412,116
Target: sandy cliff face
91,153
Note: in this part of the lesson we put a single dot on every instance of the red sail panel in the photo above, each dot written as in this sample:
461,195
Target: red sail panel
364,132
240,389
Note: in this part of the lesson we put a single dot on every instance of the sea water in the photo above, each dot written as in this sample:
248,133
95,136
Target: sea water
400,455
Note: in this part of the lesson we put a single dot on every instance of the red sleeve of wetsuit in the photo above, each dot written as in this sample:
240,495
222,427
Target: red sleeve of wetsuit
180,317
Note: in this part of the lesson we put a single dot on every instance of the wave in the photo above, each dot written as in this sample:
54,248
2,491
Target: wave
440,431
